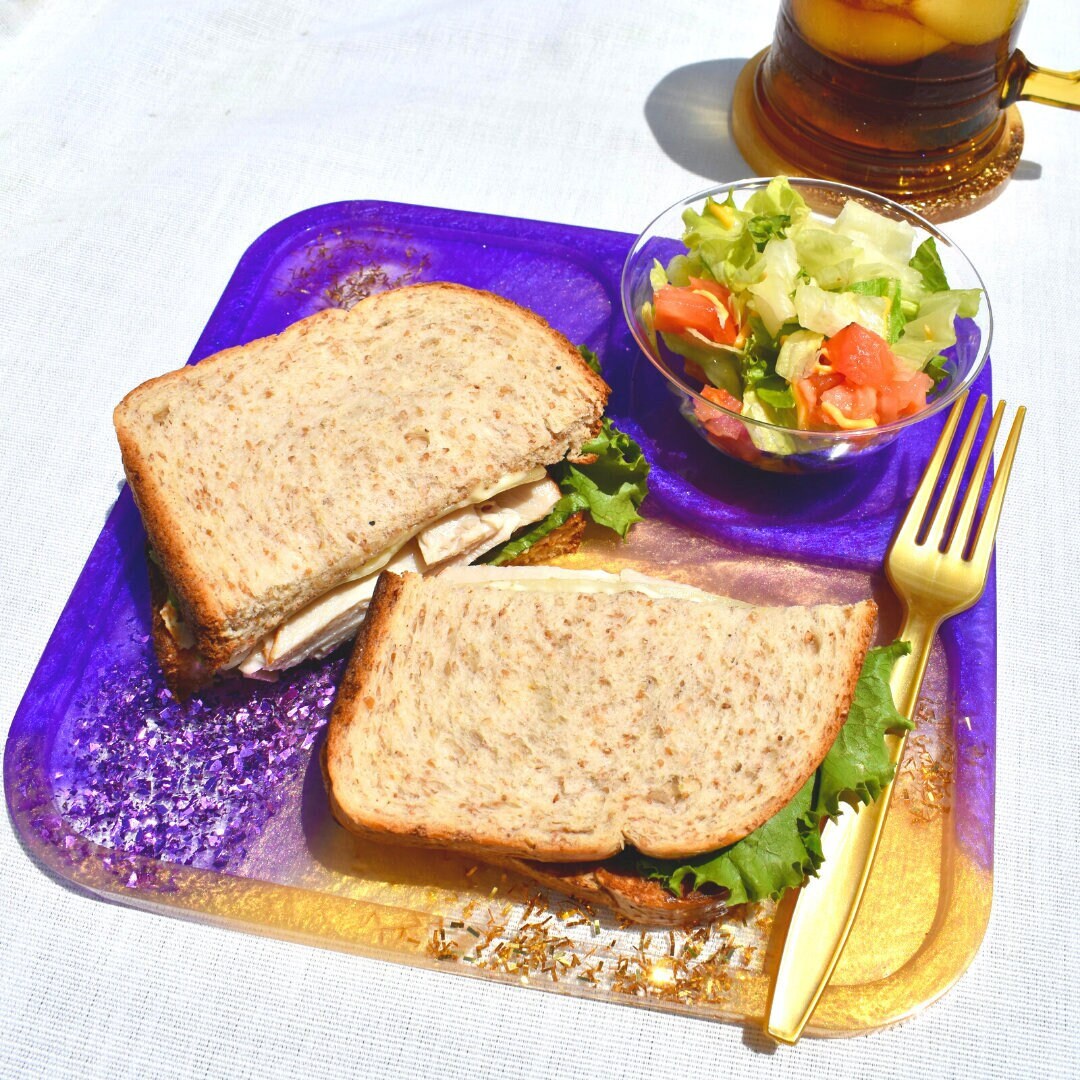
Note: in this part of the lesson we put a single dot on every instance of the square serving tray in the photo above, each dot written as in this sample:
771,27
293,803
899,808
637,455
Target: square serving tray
214,808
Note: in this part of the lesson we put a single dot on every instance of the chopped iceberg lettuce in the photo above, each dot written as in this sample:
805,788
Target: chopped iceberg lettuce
827,257
889,240
933,329
829,312
777,284
889,288
770,439
798,355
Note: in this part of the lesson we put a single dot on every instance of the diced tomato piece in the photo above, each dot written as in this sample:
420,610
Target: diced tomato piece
903,397
694,371
723,430
813,386
719,395
808,394
729,332
677,309
855,402
721,292
720,423
861,356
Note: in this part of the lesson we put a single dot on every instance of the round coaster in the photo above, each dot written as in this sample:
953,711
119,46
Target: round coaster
767,158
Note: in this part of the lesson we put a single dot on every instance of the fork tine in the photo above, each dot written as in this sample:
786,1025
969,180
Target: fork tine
936,532
984,538
961,531
913,519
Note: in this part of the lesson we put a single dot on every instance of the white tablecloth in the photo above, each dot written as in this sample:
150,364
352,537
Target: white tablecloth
142,147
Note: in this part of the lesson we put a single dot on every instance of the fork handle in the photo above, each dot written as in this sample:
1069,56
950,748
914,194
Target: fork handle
826,906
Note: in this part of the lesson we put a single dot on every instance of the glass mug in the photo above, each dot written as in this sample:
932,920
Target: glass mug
906,97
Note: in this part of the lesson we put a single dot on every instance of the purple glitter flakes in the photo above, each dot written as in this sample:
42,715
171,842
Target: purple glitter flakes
190,782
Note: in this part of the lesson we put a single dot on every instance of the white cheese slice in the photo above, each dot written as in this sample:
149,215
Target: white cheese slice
559,579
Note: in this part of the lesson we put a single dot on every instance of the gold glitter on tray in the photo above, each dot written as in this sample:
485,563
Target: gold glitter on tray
354,267
925,779
551,940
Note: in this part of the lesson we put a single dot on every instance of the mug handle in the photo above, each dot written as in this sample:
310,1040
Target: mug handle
1028,82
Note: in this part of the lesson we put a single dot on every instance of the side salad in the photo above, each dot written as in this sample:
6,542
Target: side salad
804,323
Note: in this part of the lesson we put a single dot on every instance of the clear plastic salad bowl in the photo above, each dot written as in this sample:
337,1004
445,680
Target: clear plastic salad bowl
772,446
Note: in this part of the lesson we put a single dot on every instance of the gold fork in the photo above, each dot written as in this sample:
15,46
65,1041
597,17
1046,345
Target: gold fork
935,577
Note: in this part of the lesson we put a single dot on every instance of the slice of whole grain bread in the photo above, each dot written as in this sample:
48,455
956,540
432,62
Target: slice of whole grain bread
560,723
269,473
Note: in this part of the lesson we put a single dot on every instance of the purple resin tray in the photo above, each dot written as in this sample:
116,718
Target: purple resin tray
215,806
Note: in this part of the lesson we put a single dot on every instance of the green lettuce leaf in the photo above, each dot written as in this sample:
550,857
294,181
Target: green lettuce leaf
609,489
590,358
933,329
764,438
683,267
779,854
828,313
614,485
857,765
721,366
776,393
798,355
936,369
720,238
778,199
762,350
763,227
772,294
764,394
890,289
772,859
928,263
828,257
883,240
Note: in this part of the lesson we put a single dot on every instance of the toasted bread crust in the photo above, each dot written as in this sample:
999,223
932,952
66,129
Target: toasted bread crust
616,885
577,360
354,698
865,616
564,540
202,611
222,629
185,670
369,642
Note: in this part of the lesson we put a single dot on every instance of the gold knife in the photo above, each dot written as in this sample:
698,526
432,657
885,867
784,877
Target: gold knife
935,576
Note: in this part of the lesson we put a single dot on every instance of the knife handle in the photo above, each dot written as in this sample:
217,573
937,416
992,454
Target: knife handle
827,904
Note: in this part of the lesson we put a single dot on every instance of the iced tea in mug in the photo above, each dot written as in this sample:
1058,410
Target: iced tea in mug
896,95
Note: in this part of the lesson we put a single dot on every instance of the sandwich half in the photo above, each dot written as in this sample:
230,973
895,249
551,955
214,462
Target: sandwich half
277,479
562,721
